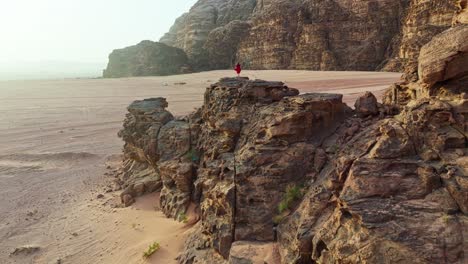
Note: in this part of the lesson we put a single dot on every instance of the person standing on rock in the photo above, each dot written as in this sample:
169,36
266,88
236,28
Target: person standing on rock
238,69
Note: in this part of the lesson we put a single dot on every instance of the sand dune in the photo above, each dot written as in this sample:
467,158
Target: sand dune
58,136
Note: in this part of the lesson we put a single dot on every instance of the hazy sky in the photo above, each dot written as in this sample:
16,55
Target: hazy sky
86,31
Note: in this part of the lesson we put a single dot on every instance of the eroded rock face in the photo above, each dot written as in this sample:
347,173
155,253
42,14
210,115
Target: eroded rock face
309,179
146,59
209,21
254,137
422,20
394,192
140,130
320,35
222,44
313,35
289,34
445,57
442,70
156,154
303,34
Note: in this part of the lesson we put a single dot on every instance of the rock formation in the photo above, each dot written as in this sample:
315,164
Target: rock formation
311,34
157,156
146,59
213,23
308,178
423,20
302,34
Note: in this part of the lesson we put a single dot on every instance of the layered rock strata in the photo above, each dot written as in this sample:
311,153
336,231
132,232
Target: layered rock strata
310,34
156,156
313,181
210,33
302,34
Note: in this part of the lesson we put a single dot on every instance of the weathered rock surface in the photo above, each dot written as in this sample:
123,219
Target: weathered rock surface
321,35
194,29
302,34
244,157
222,44
445,57
146,59
422,21
310,34
156,156
317,35
243,252
442,70
367,105
309,180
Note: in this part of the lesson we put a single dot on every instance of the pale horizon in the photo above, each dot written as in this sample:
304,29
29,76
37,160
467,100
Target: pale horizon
67,39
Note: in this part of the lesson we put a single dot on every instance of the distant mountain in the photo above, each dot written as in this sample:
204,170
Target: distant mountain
145,59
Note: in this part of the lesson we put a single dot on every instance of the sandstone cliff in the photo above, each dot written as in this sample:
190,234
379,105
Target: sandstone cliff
215,23
300,34
309,179
423,20
311,34
145,59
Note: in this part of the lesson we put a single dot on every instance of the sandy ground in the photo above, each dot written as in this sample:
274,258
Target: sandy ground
57,138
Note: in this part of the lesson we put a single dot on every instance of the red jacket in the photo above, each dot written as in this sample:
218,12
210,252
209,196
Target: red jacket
238,68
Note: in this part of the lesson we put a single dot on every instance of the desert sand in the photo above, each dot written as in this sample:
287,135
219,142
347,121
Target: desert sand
59,149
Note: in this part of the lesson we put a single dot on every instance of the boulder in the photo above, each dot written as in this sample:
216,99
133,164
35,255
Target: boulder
366,105
445,57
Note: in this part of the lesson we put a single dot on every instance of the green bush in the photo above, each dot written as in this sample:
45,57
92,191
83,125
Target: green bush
293,193
151,250
283,206
182,217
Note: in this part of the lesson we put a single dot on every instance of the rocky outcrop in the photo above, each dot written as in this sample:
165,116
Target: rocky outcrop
441,72
245,157
146,59
422,21
283,177
140,130
156,156
445,57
